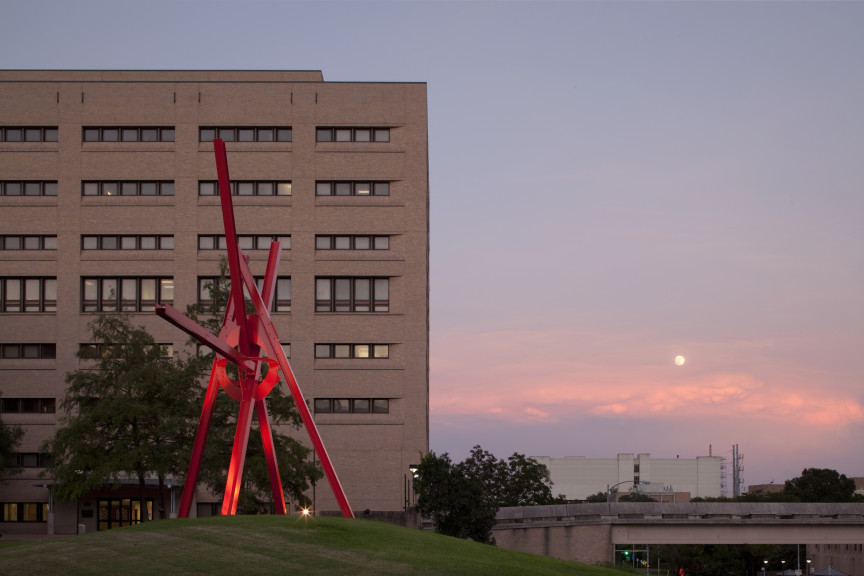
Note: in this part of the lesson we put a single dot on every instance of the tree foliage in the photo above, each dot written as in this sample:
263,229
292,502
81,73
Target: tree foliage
820,485
128,414
463,498
10,438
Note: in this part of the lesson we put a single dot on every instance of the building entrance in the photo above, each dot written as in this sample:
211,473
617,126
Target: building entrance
117,512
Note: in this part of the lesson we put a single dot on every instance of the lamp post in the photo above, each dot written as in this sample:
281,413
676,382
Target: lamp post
783,567
764,566
609,488
413,468
809,566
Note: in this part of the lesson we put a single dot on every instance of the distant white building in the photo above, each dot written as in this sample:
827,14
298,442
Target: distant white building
664,479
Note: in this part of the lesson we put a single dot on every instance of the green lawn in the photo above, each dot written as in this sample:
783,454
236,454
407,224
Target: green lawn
274,545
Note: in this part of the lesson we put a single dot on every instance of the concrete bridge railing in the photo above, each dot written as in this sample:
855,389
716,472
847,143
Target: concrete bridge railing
589,532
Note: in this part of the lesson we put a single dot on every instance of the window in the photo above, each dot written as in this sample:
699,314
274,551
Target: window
128,134
25,511
352,350
352,294
94,351
28,405
28,188
345,134
247,188
28,134
352,405
127,188
28,351
339,188
281,300
245,133
15,242
256,242
28,294
104,242
352,242
110,294
33,460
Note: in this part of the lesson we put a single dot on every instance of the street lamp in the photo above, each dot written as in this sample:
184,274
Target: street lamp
764,565
609,488
783,567
809,567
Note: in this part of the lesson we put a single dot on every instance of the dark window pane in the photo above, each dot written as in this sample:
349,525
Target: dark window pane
322,405
246,135
166,189
149,134
323,189
207,189
265,135
91,134
110,134
51,135
33,135
148,188
12,189
167,135
49,189
207,134
283,134
323,135
32,188
380,406
129,135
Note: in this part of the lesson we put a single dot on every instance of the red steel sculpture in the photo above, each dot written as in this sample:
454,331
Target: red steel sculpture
240,341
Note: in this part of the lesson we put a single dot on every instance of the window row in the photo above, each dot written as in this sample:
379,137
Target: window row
334,294
96,350
202,350
111,294
25,511
34,460
247,188
16,242
345,134
28,405
281,300
128,188
352,406
245,242
28,351
127,294
28,294
28,188
128,134
334,188
352,350
353,242
245,133
130,242
28,134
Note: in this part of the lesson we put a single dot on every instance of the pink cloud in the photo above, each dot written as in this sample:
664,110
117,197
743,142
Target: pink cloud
559,374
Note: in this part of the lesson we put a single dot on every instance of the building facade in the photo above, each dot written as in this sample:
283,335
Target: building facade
108,200
664,479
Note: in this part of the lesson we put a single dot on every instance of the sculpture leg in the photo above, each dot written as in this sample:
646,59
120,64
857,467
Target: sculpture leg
270,455
198,448
238,453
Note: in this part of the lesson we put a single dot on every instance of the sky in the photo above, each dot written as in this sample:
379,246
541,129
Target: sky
613,184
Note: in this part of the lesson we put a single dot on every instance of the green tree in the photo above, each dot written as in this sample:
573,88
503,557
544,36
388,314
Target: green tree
820,485
129,414
599,496
10,438
296,468
636,497
462,499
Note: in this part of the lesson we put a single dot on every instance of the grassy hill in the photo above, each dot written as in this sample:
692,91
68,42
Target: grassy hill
256,545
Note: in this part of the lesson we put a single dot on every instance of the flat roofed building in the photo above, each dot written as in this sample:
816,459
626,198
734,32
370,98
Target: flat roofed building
664,479
108,177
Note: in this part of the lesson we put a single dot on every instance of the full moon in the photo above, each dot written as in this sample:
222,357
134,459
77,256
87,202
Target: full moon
679,360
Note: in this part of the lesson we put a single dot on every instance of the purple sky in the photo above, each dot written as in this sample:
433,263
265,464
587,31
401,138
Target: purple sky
613,184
